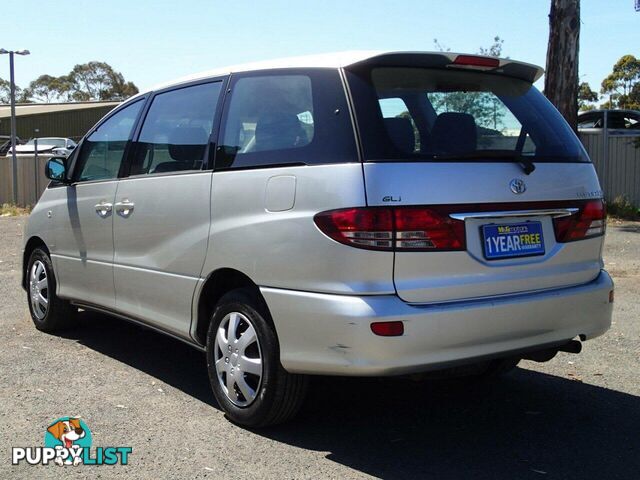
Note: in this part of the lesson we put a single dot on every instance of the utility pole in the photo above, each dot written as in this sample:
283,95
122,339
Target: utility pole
14,159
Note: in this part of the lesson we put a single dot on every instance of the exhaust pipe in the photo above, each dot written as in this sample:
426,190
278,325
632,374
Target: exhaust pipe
572,346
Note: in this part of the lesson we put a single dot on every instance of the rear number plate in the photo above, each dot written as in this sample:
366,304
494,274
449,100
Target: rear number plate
512,240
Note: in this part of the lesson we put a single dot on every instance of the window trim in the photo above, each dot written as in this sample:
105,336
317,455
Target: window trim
592,117
207,163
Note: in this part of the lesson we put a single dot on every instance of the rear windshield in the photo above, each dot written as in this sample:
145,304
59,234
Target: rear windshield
423,114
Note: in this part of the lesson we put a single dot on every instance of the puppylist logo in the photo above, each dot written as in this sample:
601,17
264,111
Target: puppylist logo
67,441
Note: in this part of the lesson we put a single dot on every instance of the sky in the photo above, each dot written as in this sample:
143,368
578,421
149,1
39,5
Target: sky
151,42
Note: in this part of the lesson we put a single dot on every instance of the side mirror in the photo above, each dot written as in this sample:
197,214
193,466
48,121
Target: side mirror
56,170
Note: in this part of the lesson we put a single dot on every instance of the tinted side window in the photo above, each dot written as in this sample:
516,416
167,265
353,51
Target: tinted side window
616,120
176,130
623,120
292,116
633,121
591,120
102,151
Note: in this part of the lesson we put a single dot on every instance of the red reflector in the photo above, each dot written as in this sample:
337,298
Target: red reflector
473,61
589,221
388,329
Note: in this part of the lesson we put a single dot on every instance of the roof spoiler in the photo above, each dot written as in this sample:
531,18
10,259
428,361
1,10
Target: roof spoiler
500,66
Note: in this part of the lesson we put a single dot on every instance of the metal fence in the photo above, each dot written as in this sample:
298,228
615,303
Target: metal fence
31,179
616,157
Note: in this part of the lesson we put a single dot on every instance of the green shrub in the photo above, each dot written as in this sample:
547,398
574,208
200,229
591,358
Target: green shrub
621,207
10,210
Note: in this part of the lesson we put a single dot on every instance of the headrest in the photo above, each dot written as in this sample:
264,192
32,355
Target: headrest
188,143
400,131
279,131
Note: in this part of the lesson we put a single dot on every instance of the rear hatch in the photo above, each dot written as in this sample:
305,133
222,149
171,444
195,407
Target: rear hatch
487,190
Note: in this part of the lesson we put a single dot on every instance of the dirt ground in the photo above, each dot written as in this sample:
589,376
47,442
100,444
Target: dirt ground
576,417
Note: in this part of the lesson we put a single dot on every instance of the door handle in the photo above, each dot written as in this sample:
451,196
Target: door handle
104,209
124,207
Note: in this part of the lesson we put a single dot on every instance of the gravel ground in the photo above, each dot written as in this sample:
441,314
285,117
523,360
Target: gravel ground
577,416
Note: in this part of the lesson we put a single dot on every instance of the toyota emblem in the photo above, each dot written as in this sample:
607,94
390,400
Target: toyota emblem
517,186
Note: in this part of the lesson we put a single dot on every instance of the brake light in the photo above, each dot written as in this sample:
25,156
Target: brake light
478,62
589,221
399,229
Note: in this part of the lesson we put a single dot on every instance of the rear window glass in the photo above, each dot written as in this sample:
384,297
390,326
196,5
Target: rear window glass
436,114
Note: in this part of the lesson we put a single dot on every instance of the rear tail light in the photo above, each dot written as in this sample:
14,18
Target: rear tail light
399,229
370,228
430,228
589,221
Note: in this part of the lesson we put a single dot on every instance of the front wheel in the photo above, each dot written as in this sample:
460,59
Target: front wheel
48,312
243,360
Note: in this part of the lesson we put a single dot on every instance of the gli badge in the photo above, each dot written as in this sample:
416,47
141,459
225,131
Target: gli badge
517,186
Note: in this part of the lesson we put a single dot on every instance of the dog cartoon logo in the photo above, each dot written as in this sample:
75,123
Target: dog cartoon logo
71,434
67,441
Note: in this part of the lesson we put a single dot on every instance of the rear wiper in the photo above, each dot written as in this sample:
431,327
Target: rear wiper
525,162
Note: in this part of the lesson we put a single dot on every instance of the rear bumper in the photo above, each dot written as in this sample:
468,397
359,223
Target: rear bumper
330,334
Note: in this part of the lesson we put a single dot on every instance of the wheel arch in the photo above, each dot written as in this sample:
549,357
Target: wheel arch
33,243
218,283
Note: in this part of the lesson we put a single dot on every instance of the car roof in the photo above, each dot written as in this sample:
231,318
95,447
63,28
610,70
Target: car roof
40,139
600,110
522,70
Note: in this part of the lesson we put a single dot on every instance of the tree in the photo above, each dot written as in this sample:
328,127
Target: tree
634,97
586,96
5,91
86,82
620,83
47,89
440,47
98,81
495,50
561,79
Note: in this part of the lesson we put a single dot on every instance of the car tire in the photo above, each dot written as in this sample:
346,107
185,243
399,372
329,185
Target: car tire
243,361
48,312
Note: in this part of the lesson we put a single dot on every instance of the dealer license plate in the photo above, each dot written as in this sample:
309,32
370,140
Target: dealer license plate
512,240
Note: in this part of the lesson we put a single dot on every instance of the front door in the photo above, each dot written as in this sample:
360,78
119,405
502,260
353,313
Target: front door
83,213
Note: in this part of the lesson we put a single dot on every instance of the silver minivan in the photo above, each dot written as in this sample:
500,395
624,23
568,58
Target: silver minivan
356,214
